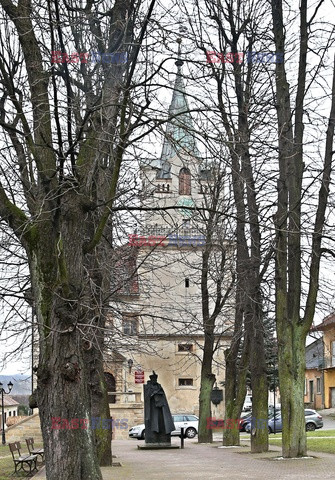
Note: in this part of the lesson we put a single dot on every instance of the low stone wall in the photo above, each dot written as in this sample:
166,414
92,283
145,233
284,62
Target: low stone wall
28,427
14,420
125,416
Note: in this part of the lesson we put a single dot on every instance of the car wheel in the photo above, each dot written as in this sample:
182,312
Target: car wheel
143,435
310,427
269,430
190,432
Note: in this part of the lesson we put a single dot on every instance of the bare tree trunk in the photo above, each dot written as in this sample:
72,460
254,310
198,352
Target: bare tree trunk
205,434
235,387
99,403
259,383
291,328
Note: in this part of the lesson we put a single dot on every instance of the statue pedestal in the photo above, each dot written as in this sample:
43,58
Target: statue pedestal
157,446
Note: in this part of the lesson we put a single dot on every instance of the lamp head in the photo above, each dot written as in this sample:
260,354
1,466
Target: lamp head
10,386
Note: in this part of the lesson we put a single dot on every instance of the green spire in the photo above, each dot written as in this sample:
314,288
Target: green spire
178,136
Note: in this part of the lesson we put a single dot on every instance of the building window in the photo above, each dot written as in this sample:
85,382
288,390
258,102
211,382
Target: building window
318,385
163,188
185,382
10,414
311,390
185,347
129,324
184,182
332,346
14,414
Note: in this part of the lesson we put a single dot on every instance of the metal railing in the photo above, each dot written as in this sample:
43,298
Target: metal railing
327,361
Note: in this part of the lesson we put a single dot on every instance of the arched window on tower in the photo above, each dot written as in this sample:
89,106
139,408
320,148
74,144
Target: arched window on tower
184,182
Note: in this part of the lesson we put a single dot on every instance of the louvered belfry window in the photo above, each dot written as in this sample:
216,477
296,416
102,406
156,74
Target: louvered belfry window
184,182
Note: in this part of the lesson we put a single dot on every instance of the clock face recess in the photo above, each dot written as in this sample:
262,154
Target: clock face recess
186,202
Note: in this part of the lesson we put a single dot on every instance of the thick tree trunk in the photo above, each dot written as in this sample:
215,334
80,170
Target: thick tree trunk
64,405
259,383
259,434
205,434
62,293
100,406
235,390
94,342
235,385
291,359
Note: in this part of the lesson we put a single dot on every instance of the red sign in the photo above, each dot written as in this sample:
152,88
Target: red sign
139,377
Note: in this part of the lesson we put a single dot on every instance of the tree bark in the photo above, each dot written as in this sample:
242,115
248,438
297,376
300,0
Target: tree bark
259,383
235,387
68,161
205,434
291,381
63,390
288,258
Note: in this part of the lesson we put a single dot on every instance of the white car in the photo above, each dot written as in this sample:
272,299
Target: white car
188,422
247,406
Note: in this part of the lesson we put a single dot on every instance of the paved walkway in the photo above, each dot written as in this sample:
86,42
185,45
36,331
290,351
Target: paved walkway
212,462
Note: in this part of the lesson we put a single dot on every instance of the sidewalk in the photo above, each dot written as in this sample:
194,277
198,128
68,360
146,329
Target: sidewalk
212,462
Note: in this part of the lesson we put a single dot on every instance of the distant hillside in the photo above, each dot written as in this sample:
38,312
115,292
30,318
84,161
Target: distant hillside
22,383
21,399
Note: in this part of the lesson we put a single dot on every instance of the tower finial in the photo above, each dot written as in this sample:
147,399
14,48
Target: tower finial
179,62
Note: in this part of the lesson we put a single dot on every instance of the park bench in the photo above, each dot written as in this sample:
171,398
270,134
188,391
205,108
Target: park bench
34,451
24,462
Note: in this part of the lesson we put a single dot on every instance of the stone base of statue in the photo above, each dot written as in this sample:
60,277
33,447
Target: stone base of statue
157,446
157,441
154,440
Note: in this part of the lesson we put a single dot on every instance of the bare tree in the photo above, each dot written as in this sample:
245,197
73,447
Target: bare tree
65,127
293,314
234,32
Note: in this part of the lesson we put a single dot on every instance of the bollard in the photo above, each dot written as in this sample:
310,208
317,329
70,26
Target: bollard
182,437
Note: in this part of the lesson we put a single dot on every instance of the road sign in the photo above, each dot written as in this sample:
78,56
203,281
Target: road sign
139,376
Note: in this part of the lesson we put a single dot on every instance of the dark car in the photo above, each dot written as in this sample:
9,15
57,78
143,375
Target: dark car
247,417
275,424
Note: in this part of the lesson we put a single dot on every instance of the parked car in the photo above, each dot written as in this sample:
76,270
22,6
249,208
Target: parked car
244,420
312,418
188,422
247,406
246,417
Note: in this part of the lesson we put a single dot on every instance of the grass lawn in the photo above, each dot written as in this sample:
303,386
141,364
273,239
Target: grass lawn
7,464
6,468
317,444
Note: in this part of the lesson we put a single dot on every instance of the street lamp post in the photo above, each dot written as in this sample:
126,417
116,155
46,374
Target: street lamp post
3,391
274,400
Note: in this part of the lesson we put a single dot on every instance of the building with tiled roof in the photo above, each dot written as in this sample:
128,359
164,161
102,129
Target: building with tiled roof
327,326
10,408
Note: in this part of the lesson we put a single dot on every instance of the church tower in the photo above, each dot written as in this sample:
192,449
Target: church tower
176,178
158,308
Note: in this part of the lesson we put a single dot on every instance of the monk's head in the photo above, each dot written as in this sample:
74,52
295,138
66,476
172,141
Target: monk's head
153,377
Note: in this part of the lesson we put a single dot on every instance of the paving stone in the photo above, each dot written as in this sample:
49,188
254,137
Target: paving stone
209,462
